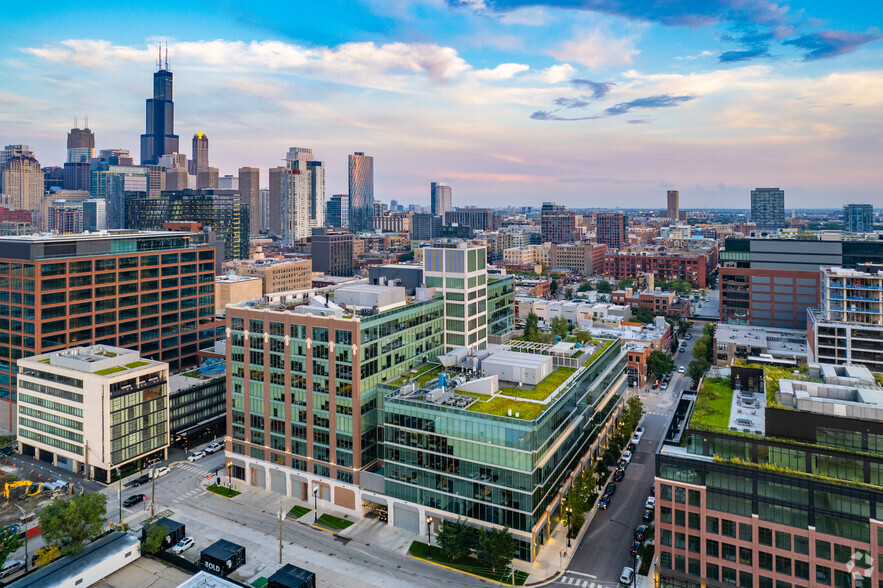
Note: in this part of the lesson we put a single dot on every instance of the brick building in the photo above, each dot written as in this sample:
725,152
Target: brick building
691,267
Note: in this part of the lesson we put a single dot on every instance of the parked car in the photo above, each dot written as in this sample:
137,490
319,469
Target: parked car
664,386
618,475
632,447
604,502
214,447
651,502
635,548
610,489
653,489
140,480
627,576
195,456
134,499
648,515
13,529
688,336
160,471
681,369
636,438
641,533
639,431
627,456
11,567
183,545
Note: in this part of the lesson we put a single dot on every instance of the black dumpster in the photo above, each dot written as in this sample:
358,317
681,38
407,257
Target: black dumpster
175,532
292,577
222,557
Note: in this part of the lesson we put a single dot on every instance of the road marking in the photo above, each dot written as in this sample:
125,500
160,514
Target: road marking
582,574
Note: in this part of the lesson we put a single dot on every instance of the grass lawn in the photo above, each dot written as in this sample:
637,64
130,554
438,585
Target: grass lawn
527,411
713,404
223,491
298,511
544,388
426,373
136,364
332,522
470,565
111,370
601,349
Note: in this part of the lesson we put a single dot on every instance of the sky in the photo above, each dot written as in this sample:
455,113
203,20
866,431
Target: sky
588,103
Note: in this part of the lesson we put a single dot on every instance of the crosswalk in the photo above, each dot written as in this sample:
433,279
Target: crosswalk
583,583
192,467
195,492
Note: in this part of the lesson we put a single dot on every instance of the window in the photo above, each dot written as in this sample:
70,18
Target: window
694,544
801,569
694,497
680,541
711,525
745,580
801,544
665,537
783,565
693,520
842,579
765,560
680,518
823,549
783,540
711,571
665,514
728,575
765,536
746,532
823,575
712,548
680,495
728,552
745,556
728,528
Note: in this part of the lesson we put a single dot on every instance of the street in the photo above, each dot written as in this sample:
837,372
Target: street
604,549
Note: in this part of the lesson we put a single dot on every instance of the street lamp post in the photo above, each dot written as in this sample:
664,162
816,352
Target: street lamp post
24,518
429,532
120,476
316,504
229,480
281,518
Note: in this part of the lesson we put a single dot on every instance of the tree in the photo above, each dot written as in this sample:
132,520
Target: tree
623,284
673,348
494,548
568,293
604,287
407,256
553,287
708,330
9,543
697,368
642,314
634,409
583,337
660,363
584,287
531,327
700,348
78,519
455,539
560,326
156,534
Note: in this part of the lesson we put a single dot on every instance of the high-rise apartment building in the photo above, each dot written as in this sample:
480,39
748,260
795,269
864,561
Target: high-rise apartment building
250,192
480,219
674,207
361,191
80,145
107,408
558,224
440,198
425,226
23,183
332,252
207,178
159,138
199,158
317,193
858,218
228,182
118,187
149,291
279,183
459,269
277,275
94,215
768,208
612,229
299,191
338,211
65,218
222,210
77,175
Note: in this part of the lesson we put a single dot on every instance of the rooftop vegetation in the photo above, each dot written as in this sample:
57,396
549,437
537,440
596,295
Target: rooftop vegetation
713,403
110,370
542,390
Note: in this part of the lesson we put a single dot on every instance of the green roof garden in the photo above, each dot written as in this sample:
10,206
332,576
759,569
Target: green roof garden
713,403
110,370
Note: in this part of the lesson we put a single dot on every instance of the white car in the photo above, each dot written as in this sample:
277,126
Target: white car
651,502
183,545
681,369
195,456
160,472
214,447
639,431
627,456
636,438
627,576
11,567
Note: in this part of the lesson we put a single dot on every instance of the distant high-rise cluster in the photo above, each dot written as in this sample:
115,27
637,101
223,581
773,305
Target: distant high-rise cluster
768,208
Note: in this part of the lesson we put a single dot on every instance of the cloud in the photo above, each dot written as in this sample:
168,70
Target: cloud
697,56
734,56
546,115
557,73
690,13
597,50
503,71
661,101
639,121
824,44
598,89
571,103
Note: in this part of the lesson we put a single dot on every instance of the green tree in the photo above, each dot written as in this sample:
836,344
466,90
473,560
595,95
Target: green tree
531,327
494,548
407,256
455,539
623,284
673,348
78,519
634,409
156,534
583,337
604,287
697,368
553,287
700,348
708,330
568,293
642,314
682,287
9,543
584,287
659,363
560,326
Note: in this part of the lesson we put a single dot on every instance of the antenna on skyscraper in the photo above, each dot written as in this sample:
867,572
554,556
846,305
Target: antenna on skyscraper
159,57
87,121
167,56
76,126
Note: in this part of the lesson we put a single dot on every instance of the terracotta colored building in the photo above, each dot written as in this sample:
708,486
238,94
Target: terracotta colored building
691,267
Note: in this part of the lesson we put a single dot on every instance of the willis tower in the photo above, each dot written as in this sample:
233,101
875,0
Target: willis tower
160,139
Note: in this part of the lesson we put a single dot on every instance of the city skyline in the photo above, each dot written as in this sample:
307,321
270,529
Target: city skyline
515,99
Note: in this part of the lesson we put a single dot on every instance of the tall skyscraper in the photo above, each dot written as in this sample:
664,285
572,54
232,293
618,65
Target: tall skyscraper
23,183
612,229
338,211
199,161
160,138
361,191
674,208
440,198
8,153
858,218
250,191
768,208
317,193
80,145
558,224
274,199
207,178
303,194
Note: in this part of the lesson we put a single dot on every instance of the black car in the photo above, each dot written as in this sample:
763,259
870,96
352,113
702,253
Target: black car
618,475
635,548
623,464
648,515
134,499
632,447
653,489
140,480
604,502
610,489
641,533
